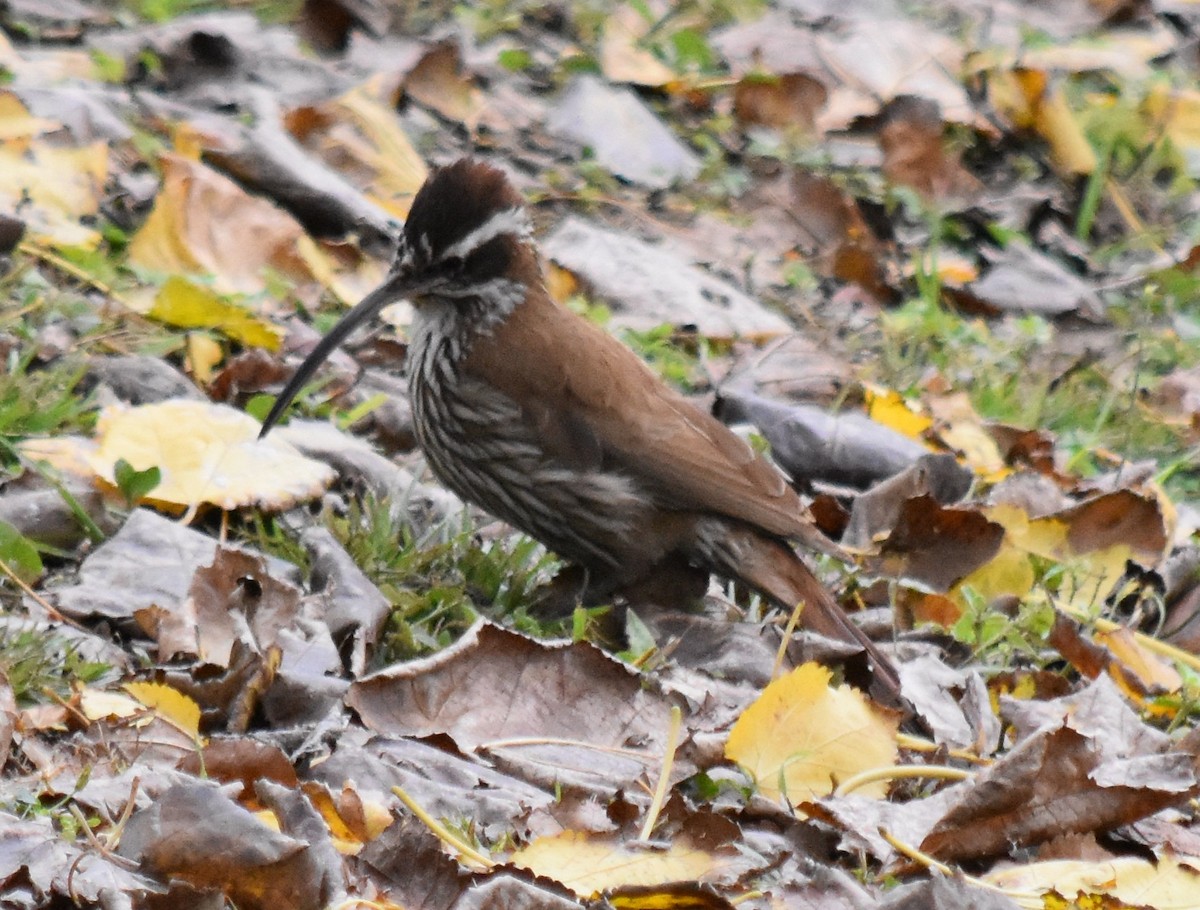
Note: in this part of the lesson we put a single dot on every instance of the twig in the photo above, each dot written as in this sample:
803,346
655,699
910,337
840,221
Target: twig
37,598
905,849
899,772
788,631
444,834
664,777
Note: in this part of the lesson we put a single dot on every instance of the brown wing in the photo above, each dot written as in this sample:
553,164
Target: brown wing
594,402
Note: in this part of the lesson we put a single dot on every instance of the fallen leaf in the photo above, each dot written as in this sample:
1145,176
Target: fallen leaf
204,223
170,704
439,82
589,864
622,58
802,736
218,461
183,303
1163,885
625,136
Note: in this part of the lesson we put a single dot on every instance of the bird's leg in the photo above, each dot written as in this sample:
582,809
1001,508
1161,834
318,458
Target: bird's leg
558,598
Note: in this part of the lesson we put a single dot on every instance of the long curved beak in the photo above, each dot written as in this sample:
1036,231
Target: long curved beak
396,287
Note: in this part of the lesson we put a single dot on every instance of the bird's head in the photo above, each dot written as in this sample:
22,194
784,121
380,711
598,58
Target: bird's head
467,242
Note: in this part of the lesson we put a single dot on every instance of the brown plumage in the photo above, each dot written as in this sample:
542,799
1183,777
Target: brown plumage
551,424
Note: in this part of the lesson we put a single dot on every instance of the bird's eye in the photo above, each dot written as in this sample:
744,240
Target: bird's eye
454,265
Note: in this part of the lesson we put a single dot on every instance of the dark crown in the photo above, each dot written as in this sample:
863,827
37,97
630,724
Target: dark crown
456,200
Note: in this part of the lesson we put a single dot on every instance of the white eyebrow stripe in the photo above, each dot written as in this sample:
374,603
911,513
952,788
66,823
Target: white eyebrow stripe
509,221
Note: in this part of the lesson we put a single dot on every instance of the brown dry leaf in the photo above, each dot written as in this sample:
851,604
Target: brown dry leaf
876,513
788,101
864,62
937,545
589,864
1142,676
237,758
1164,885
208,454
1058,780
801,736
593,718
196,833
237,599
440,83
842,243
204,223
622,59
915,153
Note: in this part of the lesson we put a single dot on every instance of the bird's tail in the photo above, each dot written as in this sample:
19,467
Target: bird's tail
773,569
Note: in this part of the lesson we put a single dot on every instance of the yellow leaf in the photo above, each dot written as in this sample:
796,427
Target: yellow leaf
1009,572
674,896
181,303
1030,101
203,355
888,408
1151,671
1165,885
622,58
801,737
17,123
53,189
1091,573
381,146
590,864
1177,113
177,709
66,454
208,454
97,704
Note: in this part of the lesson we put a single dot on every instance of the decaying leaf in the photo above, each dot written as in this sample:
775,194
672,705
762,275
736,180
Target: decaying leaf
204,223
487,691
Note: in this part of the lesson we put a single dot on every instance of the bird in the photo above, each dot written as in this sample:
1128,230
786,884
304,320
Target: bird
548,422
